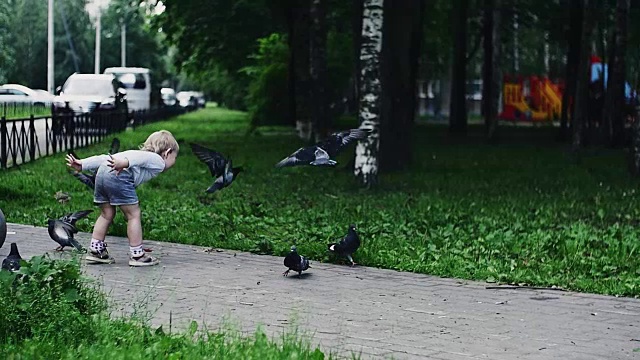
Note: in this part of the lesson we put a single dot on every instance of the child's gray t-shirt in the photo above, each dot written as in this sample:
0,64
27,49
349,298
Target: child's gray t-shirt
144,165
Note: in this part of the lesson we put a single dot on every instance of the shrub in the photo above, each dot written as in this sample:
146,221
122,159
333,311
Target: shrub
47,299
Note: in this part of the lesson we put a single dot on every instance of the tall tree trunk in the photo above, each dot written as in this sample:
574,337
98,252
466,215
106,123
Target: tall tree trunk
491,67
615,96
580,111
400,52
366,164
292,79
318,71
356,23
573,54
301,68
458,107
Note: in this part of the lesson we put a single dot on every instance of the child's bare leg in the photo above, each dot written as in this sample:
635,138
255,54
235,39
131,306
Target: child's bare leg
99,251
134,233
134,224
107,213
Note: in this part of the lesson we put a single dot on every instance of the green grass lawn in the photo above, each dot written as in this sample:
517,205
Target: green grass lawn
518,212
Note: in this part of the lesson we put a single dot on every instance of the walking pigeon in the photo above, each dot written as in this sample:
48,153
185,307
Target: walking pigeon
221,168
348,245
62,230
12,261
321,153
295,262
62,197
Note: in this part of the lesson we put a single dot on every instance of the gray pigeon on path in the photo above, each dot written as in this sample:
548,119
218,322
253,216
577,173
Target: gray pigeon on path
294,261
321,153
221,168
63,229
12,261
347,245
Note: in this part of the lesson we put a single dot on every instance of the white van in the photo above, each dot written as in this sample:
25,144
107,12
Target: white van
137,82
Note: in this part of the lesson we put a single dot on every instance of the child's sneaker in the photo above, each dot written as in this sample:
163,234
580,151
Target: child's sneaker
144,260
101,256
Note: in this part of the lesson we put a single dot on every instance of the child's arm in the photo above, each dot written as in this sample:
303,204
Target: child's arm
93,162
150,161
73,162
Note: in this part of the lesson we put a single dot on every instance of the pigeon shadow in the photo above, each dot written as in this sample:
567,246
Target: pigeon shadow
301,276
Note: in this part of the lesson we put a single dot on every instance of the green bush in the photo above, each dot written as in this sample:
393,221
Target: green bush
48,311
268,98
47,299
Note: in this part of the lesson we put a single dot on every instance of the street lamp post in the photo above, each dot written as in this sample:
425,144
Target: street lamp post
98,30
123,43
50,63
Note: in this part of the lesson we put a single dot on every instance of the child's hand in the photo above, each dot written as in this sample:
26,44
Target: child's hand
118,164
74,163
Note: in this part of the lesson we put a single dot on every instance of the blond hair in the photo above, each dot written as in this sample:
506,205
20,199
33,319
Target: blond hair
159,142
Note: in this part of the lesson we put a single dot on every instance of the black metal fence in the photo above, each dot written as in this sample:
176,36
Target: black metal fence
26,139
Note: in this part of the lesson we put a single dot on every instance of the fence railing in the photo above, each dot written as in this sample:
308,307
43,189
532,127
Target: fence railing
25,139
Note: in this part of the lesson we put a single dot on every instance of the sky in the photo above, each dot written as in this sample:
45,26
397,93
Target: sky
94,5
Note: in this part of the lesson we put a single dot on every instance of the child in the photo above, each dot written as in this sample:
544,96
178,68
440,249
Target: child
116,179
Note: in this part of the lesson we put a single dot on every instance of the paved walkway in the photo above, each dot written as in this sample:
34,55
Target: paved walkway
380,313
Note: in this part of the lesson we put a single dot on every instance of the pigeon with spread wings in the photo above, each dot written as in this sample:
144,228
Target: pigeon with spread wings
62,230
221,168
321,153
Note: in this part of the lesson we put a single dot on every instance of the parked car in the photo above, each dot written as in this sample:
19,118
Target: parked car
168,96
137,82
88,93
15,93
188,99
201,100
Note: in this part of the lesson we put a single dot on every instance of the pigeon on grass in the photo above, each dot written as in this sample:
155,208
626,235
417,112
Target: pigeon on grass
221,168
347,245
12,261
321,153
62,230
294,261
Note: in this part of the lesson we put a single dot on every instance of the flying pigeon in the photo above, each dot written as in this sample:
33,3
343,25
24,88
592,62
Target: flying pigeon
12,261
321,153
295,262
220,167
115,146
348,245
88,179
62,230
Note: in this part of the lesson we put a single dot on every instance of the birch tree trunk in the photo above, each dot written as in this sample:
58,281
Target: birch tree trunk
366,162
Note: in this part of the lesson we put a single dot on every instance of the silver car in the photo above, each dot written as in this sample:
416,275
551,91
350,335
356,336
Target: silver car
15,93
88,93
